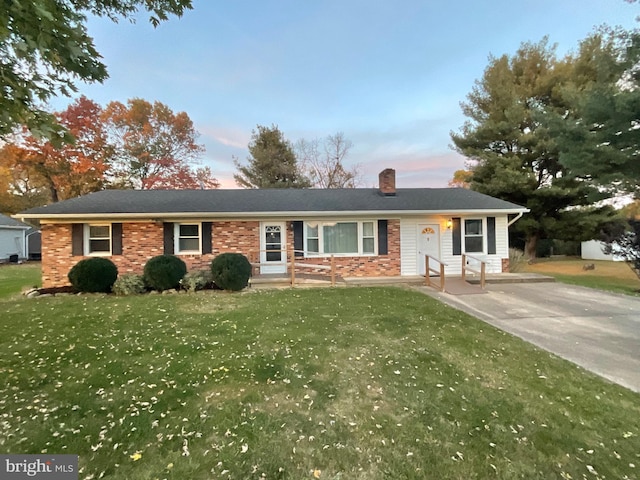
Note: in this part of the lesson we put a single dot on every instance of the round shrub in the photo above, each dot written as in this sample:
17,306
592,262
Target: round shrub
231,271
93,275
164,272
130,284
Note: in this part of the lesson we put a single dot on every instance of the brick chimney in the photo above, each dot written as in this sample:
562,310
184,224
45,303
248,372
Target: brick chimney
387,182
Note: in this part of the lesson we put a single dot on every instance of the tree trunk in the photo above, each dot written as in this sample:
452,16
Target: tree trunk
530,246
53,191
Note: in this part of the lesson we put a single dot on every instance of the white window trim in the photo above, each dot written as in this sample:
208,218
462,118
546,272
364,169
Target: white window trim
361,237
87,242
359,253
176,239
463,229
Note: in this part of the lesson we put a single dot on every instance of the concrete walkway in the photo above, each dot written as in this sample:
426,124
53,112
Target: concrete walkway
598,331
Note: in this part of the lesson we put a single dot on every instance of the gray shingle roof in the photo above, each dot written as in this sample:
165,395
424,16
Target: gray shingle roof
12,222
273,201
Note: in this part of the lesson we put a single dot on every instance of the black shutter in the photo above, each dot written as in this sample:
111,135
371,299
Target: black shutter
491,235
116,239
383,242
206,237
168,238
457,236
298,238
77,239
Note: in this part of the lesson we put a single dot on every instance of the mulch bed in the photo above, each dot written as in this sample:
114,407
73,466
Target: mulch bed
54,290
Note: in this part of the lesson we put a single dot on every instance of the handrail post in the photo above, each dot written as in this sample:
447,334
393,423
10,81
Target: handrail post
427,280
333,271
442,277
254,268
464,267
293,268
482,274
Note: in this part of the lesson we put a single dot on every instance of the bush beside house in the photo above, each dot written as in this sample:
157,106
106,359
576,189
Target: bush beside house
231,271
164,272
93,275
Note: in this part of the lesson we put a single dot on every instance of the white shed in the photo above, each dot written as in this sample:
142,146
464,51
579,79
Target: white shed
13,239
592,250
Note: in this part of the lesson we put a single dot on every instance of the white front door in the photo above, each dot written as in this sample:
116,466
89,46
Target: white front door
273,249
428,244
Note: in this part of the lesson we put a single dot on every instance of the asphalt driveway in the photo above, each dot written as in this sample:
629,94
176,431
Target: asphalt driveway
598,331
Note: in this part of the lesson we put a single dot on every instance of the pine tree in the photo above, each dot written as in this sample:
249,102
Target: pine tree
272,162
511,154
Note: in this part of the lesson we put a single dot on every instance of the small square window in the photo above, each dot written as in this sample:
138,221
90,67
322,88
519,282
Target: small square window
98,239
187,238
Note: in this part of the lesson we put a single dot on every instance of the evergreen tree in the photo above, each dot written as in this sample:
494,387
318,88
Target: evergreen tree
513,157
598,136
272,162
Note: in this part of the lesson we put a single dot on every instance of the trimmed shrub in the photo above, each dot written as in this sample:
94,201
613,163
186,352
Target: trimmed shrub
198,280
95,274
164,272
130,284
231,271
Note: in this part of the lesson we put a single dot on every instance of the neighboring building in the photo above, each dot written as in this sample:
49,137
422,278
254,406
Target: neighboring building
592,250
371,232
13,239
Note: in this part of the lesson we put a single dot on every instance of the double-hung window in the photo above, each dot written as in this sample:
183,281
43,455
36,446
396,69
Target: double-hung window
187,238
368,238
97,239
473,236
340,238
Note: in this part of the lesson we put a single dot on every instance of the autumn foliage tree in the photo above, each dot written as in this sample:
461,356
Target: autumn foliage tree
461,179
39,169
154,148
135,146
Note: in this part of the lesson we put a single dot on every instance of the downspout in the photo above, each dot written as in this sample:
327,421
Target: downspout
26,243
514,220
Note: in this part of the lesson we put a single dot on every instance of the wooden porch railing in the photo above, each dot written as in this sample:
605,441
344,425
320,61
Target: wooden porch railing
292,264
466,268
428,270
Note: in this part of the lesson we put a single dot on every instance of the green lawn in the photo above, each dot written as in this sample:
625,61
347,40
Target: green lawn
610,276
345,383
15,277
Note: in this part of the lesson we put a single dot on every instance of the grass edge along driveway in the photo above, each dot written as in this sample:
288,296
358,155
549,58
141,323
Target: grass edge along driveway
346,383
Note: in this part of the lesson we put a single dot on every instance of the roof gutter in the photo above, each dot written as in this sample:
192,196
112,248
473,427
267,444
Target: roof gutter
159,216
16,227
517,217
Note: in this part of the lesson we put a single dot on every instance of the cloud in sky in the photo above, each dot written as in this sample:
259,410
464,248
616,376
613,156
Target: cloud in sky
389,75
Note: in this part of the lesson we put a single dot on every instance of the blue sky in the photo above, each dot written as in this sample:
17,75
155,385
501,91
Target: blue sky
389,75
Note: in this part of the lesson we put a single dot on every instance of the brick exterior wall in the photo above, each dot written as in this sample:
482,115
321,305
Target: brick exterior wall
141,241
505,265
56,254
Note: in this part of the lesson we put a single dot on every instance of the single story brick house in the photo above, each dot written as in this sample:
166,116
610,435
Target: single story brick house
370,231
